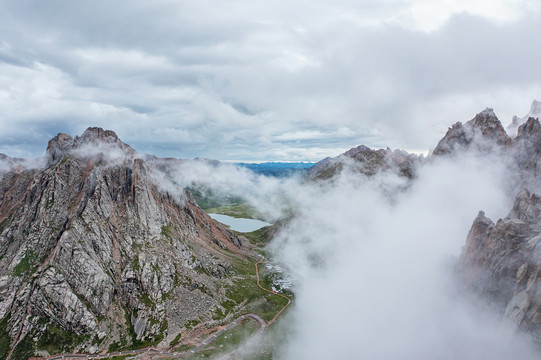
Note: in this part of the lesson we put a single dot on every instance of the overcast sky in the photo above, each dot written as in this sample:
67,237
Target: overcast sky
262,80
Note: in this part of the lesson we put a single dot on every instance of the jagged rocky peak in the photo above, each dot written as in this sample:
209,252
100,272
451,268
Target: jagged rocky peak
527,154
356,150
535,112
484,132
527,207
502,262
99,137
488,123
527,145
95,134
58,146
8,164
456,136
93,142
366,161
86,243
530,129
490,127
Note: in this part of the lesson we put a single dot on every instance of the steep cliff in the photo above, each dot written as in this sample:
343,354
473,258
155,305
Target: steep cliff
535,112
526,154
94,249
8,164
502,261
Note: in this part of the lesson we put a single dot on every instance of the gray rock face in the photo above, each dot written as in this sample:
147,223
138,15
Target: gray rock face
54,292
93,236
502,262
527,154
8,164
483,133
368,162
535,112
58,146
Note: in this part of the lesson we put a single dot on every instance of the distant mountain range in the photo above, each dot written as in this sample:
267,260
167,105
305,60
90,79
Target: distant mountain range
278,169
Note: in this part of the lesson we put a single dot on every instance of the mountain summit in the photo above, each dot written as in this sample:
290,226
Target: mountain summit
501,260
92,245
483,132
535,112
94,141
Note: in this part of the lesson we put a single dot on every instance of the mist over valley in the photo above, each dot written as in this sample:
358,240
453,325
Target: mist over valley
376,243
270,180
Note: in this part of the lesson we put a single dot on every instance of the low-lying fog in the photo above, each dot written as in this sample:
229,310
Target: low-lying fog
373,264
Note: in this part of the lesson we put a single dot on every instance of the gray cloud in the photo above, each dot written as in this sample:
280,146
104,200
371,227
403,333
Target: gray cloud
240,80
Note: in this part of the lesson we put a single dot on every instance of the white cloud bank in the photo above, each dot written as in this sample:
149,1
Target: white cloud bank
375,279
374,275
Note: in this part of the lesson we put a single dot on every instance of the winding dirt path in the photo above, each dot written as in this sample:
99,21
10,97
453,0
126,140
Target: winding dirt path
167,352
271,291
164,352
248,342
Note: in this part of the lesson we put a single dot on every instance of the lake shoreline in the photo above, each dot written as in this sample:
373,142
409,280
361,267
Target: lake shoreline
243,225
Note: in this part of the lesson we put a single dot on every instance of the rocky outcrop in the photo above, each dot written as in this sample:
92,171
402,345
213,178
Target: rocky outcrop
502,262
92,240
8,164
57,147
368,162
483,133
535,112
527,154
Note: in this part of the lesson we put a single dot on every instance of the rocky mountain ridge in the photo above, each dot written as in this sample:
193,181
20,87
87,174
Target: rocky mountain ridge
366,161
535,112
8,164
91,245
501,260
483,133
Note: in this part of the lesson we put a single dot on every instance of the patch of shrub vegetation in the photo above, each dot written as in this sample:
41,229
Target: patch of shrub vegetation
27,265
56,340
260,236
176,340
24,350
191,323
4,337
239,210
145,299
167,232
218,315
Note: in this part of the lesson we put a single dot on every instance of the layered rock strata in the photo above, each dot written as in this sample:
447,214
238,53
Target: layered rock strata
93,245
